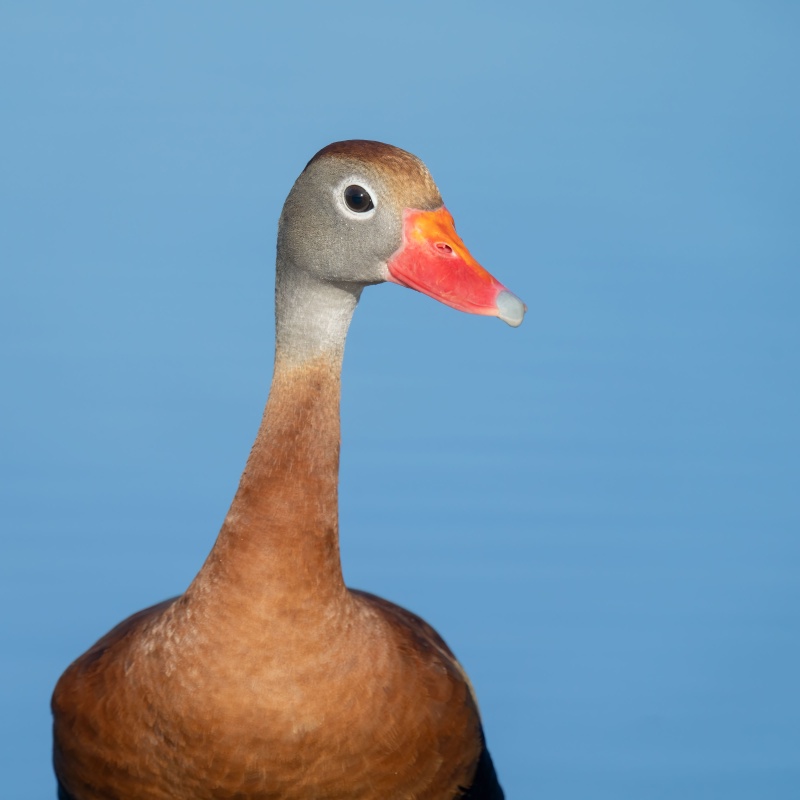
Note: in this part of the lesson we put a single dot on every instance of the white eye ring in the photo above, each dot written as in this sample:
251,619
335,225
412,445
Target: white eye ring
341,203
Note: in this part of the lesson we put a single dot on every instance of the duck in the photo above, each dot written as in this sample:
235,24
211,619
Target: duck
269,678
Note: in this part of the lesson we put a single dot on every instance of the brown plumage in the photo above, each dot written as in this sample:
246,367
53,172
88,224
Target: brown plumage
268,677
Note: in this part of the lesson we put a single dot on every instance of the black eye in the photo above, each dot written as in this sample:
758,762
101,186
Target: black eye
358,199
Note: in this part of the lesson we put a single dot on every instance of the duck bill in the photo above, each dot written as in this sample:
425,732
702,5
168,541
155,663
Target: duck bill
433,260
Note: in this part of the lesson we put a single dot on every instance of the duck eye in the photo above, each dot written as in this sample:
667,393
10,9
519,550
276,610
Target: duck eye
358,199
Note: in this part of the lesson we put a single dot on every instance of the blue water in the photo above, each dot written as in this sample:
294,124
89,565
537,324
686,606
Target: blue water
599,510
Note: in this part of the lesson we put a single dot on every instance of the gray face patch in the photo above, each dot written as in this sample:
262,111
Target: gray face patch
327,251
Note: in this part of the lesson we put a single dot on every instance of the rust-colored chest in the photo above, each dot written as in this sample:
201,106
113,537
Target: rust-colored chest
356,705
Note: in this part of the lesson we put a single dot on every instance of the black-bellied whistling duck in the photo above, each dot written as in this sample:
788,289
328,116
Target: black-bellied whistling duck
268,677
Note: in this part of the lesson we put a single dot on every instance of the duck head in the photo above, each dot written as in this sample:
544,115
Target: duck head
364,212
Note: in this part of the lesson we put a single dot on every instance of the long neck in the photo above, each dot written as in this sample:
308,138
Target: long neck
279,544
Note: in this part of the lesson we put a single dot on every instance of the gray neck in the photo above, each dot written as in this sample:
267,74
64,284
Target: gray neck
311,316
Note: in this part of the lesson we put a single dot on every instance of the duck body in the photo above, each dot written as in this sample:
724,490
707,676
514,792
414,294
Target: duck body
322,727
268,677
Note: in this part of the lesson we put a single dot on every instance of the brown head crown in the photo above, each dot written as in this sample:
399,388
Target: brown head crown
407,175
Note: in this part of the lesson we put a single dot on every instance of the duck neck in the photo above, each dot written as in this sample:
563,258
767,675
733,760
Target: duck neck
279,544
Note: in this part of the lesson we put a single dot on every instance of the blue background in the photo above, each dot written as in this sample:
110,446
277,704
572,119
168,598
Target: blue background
599,510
